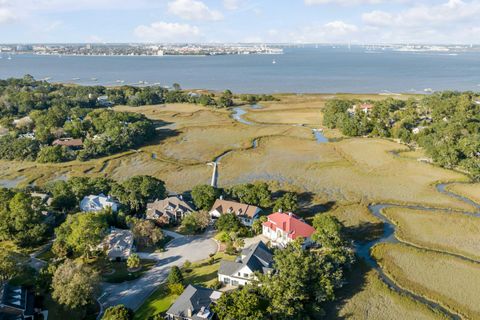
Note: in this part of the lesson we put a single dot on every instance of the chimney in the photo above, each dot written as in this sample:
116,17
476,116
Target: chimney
221,197
290,214
189,312
280,210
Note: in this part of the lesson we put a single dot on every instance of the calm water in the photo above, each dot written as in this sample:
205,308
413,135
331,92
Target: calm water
325,69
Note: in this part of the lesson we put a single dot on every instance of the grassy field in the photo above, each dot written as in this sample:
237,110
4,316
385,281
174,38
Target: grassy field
359,223
202,273
471,191
352,170
366,297
453,282
451,232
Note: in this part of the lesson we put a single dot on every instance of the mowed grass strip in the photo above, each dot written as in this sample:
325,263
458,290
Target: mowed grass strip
452,282
444,231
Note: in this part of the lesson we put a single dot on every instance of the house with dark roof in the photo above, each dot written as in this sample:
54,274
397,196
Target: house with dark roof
282,228
169,210
16,303
245,212
194,304
256,258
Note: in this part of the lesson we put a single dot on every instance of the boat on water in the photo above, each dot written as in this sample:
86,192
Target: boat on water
75,79
120,81
9,58
93,79
274,61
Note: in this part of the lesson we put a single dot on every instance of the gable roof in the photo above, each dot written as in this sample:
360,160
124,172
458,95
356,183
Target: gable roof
93,202
168,206
290,224
13,297
256,257
240,209
196,299
68,142
119,243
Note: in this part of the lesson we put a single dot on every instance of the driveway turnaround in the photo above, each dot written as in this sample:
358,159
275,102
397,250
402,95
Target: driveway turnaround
133,293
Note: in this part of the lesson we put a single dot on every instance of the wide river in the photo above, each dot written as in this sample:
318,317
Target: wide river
299,70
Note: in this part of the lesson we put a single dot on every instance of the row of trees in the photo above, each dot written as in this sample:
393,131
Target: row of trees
257,194
446,125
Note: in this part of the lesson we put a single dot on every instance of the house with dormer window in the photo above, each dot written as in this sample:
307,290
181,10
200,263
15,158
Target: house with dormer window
245,212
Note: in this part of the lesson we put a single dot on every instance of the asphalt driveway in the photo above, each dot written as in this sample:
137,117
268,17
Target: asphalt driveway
133,293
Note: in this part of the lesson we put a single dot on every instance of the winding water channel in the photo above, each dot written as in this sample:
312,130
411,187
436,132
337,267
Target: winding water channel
363,249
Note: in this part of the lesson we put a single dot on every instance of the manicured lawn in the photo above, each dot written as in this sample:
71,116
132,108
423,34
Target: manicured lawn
202,273
121,272
57,312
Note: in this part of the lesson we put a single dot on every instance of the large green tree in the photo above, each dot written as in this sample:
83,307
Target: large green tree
118,312
83,232
204,196
245,303
74,285
137,191
21,219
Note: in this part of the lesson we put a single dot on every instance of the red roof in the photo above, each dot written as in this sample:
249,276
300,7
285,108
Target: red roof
289,223
366,106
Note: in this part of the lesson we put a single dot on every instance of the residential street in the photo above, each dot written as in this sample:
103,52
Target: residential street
133,293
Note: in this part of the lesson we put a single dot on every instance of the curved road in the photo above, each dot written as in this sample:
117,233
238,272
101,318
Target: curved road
133,293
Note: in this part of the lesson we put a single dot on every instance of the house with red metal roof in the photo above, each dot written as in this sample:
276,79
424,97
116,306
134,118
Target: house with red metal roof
282,228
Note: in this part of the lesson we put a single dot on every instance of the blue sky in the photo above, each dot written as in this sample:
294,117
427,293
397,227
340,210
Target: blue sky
296,21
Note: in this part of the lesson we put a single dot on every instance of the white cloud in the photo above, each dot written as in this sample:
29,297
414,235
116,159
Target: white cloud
193,10
167,32
342,2
449,22
6,15
333,32
231,4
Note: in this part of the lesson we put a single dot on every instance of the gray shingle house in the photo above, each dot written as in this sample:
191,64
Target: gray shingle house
168,210
194,304
255,258
16,303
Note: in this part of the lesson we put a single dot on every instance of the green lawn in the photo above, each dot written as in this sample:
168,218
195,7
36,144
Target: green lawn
57,312
121,272
202,273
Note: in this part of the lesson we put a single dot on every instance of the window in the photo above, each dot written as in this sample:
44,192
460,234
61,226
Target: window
226,280
245,275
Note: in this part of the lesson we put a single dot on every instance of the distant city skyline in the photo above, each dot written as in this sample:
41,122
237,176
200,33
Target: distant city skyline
240,21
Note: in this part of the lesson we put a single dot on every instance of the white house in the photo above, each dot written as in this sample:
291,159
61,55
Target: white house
245,212
282,228
94,203
255,258
118,244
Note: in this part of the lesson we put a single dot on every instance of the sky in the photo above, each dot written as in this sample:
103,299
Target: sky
264,21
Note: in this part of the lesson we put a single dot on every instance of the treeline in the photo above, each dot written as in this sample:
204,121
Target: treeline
446,125
102,131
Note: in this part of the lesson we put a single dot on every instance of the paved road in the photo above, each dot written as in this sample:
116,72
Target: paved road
133,293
